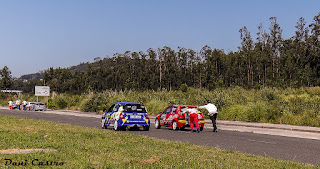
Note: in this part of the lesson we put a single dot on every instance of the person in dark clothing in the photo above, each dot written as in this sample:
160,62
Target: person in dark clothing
213,113
213,118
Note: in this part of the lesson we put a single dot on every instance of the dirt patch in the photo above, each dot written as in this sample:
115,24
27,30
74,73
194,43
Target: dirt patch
24,151
151,160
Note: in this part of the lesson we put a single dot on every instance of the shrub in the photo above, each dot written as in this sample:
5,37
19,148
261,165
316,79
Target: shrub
61,103
183,88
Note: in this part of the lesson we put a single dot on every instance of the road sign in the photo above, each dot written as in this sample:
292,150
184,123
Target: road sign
42,91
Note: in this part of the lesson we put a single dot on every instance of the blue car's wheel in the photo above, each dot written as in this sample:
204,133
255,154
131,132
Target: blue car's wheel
146,128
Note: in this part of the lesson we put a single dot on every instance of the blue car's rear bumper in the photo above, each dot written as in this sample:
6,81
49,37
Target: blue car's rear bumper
133,122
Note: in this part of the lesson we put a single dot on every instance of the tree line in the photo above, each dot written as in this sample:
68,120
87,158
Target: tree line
269,60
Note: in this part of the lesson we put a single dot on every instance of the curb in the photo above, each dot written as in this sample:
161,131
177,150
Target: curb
268,126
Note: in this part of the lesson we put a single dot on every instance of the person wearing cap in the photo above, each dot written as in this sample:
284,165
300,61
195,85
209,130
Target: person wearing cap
10,104
193,114
212,112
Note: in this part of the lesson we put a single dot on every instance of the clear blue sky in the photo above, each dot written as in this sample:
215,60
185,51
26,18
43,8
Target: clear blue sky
38,34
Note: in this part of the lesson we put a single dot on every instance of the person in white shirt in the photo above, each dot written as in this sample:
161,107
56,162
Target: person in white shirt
18,104
10,104
212,112
24,103
193,118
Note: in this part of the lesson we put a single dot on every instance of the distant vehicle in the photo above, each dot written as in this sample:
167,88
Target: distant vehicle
122,115
174,117
14,106
38,106
29,105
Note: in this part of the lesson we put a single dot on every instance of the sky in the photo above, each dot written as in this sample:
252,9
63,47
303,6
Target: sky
38,34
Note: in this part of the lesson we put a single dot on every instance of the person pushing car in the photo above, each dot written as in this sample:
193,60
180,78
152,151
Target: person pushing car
193,114
212,112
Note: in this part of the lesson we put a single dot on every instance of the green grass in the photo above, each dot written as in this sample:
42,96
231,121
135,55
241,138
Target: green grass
81,147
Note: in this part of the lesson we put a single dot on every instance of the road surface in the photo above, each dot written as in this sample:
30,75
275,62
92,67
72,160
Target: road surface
276,146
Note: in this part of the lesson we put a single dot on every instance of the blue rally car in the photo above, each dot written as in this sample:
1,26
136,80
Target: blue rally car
126,114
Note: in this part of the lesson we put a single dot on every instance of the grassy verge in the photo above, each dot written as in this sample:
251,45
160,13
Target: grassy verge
80,147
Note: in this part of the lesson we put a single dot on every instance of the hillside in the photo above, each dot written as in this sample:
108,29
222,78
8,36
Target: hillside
39,75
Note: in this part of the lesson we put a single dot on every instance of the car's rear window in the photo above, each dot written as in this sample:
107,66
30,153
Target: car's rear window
184,108
134,108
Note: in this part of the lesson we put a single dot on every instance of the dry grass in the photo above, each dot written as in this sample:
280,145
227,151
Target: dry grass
24,151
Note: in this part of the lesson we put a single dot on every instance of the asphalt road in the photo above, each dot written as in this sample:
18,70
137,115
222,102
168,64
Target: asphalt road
286,148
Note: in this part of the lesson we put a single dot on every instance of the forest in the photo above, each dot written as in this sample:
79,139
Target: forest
268,61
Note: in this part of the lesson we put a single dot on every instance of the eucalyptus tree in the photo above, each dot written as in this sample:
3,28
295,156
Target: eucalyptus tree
143,72
209,66
294,54
199,70
152,71
300,46
133,76
275,43
78,81
315,48
263,50
168,67
192,75
315,28
5,78
182,61
246,50
301,34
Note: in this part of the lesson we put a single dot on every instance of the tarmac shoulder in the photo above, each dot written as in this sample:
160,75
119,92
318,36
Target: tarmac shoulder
269,125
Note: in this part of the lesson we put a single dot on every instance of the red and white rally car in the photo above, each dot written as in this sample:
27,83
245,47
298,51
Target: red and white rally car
174,117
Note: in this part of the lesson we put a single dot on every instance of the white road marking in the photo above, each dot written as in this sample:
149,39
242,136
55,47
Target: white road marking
267,142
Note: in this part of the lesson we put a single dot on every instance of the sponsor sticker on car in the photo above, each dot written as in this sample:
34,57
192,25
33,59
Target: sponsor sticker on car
135,117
